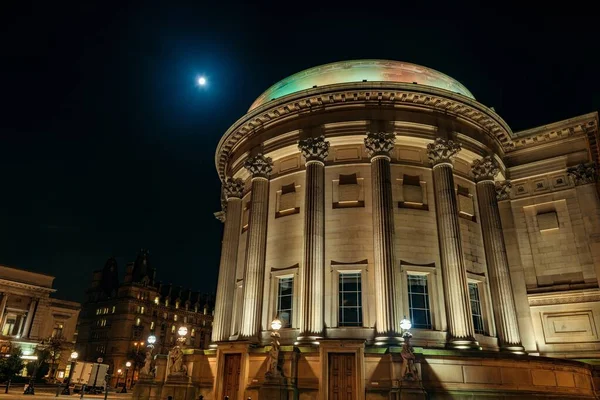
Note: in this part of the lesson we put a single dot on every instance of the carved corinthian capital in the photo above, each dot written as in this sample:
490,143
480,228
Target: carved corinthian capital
379,143
503,190
485,169
442,151
314,149
259,166
583,174
233,188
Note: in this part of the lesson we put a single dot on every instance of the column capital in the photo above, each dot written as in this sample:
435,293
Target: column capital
379,143
583,174
442,151
503,190
259,166
485,169
314,149
221,216
233,188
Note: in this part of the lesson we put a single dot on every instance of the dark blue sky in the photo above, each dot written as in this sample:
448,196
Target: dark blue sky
107,146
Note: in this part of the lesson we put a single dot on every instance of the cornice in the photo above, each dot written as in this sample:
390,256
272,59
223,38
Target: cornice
26,286
359,94
575,296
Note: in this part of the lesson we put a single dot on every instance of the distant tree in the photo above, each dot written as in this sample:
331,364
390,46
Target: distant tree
54,345
10,366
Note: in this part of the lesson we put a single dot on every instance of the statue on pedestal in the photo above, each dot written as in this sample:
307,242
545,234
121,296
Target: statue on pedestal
409,369
176,362
147,369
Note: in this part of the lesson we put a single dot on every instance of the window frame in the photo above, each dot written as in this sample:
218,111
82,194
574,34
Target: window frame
430,272
485,303
276,275
424,205
336,271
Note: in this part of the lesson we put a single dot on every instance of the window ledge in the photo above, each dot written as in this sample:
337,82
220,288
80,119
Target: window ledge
413,206
349,204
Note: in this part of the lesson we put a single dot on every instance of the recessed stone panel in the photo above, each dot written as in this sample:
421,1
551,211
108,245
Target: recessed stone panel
479,374
569,327
543,377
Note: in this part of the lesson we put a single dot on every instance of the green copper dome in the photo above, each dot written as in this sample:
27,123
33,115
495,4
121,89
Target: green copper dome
358,71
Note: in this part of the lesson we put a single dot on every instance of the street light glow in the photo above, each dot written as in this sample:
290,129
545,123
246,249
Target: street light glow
276,324
201,81
128,364
182,331
405,324
74,355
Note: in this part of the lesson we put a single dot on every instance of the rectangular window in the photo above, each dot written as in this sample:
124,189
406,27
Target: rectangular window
152,325
285,299
350,300
476,308
418,302
57,330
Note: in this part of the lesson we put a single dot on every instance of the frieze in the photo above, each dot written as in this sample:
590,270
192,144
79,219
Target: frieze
472,111
563,298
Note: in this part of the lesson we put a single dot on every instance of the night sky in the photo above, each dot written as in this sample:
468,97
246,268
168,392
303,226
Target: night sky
107,145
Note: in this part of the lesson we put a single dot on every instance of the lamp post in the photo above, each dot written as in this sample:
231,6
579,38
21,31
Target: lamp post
151,341
127,366
182,332
273,372
67,389
409,370
119,373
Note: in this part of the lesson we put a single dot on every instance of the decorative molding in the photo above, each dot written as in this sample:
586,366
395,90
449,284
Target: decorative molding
485,169
379,143
233,188
550,299
503,190
221,216
442,151
314,149
259,166
395,96
583,174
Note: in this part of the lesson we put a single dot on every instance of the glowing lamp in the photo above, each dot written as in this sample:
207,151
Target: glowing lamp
182,331
201,81
119,371
128,364
74,355
405,324
276,324
151,339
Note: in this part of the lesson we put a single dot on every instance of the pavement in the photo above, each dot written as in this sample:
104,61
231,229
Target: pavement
16,392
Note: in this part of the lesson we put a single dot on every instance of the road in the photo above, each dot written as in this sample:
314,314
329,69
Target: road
16,392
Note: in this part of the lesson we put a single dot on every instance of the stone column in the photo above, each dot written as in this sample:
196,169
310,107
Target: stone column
233,190
315,151
29,319
260,168
454,274
3,307
379,145
503,302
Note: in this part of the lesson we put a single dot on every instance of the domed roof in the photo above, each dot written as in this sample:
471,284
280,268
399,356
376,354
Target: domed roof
358,71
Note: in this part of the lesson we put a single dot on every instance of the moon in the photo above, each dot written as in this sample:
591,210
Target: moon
201,81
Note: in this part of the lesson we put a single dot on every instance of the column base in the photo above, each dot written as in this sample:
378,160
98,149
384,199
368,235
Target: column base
388,340
515,349
308,340
463,344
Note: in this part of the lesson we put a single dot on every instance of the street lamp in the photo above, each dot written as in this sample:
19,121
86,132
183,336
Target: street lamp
151,341
405,324
127,366
67,389
119,373
182,332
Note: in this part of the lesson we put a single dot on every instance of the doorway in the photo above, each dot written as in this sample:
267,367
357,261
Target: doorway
342,376
231,383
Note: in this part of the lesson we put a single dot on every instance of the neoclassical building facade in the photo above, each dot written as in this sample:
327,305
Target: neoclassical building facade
361,193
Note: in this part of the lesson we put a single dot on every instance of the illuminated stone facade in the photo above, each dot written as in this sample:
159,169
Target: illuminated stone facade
385,198
30,318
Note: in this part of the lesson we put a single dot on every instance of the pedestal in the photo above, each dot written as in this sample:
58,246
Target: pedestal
276,389
147,388
179,387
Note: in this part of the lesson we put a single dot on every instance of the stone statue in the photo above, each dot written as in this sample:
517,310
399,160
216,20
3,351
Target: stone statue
147,368
176,362
409,369
274,369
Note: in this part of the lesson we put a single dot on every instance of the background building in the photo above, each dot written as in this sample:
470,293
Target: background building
30,318
118,316
361,192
